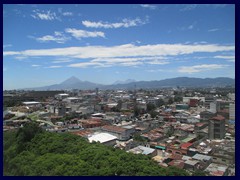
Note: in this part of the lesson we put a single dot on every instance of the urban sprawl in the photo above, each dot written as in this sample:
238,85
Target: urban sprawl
189,128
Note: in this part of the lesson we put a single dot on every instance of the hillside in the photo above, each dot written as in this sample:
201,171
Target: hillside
75,83
33,152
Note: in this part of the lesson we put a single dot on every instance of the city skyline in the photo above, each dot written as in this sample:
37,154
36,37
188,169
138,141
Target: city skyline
46,44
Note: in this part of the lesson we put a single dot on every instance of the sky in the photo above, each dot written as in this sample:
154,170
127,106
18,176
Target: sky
47,44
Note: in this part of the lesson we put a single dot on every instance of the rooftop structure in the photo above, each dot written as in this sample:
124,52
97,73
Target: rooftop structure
101,137
216,169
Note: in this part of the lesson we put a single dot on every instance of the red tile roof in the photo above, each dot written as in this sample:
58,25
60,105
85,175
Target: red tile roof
186,145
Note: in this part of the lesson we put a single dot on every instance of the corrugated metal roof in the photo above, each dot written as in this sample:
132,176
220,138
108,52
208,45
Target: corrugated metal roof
101,137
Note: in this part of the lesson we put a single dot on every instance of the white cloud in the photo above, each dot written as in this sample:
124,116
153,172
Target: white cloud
213,30
200,68
67,14
158,70
126,50
228,58
54,67
126,23
62,60
35,65
58,38
78,34
148,6
123,55
108,62
45,15
85,64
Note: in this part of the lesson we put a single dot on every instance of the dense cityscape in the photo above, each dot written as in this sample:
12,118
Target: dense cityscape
188,128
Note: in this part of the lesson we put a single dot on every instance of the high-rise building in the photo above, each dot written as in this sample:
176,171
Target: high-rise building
232,111
216,127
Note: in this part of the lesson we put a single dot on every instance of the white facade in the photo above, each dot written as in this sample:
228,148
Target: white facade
213,107
231,96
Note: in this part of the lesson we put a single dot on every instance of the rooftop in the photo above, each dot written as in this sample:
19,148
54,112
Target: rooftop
216,169
218,118
101,137
142,150
113,128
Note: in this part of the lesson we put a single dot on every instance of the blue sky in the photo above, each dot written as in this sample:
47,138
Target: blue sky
46,44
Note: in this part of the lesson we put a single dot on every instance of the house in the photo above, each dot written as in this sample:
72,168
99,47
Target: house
192,165
121,132
217,169
203,158
143,150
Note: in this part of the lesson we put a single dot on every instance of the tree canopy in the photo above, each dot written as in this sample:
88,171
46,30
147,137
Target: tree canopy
65,154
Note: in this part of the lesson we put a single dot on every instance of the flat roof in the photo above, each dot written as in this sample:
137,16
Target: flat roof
63,94
31,102
101,137
201,157
142,150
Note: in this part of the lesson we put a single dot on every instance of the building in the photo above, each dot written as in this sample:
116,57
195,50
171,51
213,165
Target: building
213,107
217,170
121,132
91,123
143,150
182,106
32,104
216,127
206,115
188,99
103,138
232,111
231,96
61,96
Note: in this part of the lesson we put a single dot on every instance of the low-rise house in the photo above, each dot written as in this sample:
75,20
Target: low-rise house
143,150
91,123
217,170
120,132
203,158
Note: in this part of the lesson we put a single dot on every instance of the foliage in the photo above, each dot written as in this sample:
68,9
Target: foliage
65,154
199,173
150,107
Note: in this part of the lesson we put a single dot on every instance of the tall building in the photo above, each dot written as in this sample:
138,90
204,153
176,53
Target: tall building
216,127
232,111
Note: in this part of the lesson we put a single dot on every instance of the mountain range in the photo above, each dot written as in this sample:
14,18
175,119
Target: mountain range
75,83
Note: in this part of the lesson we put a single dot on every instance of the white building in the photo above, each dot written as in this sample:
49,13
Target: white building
213,107
61,96
103,138
231,96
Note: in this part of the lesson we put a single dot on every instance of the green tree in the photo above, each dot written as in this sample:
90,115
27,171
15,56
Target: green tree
150,107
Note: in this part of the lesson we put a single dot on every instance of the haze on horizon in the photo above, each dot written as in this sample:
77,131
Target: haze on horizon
100,44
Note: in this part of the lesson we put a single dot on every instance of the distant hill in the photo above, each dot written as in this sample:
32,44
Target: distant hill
75,83
71,83
180,81
124,82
